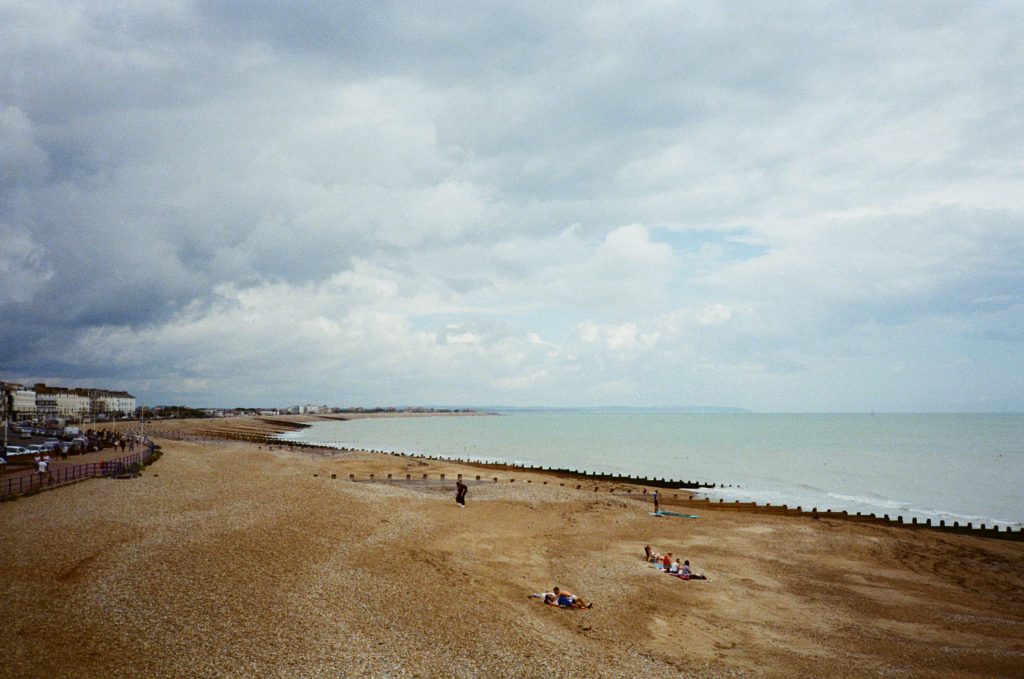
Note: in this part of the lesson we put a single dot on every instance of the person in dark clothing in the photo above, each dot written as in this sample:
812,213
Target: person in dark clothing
460,493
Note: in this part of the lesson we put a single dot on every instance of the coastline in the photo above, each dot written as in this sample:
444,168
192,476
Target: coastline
229,558
814,471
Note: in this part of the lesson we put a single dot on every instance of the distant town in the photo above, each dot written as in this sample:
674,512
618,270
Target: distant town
60,405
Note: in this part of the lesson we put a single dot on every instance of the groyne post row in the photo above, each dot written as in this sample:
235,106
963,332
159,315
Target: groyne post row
25,484
258,436
441,482
262,437
510,466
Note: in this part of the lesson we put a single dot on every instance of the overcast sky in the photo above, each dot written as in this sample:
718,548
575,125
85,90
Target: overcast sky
773,206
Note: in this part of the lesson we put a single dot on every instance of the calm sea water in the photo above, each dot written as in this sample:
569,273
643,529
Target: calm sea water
953,467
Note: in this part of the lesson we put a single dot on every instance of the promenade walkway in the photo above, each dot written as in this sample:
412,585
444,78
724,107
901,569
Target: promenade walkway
24,463
106,462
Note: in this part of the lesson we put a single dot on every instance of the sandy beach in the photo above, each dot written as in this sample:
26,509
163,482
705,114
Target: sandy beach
226,558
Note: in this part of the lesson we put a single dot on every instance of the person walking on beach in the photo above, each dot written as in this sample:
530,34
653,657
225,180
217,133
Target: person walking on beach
460,492
655,498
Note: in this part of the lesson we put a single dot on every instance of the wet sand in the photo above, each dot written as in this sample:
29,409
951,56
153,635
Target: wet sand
229,559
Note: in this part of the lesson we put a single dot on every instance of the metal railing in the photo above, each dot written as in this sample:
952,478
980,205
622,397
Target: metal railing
23,484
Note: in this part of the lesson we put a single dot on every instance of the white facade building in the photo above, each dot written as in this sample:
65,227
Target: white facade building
23,402
72,404
118,402
46,404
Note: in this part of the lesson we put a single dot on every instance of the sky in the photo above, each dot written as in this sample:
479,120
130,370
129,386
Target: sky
783,207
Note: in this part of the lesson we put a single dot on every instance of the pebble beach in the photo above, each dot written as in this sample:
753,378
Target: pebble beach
228,558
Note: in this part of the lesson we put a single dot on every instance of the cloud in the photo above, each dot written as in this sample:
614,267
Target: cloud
23,271
622,202
22,160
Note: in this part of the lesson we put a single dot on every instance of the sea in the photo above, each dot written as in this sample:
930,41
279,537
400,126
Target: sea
952,467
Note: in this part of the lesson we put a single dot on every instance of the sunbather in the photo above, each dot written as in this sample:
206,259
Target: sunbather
686,574
567,599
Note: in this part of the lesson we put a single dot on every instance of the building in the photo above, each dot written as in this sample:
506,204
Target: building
46,403
113,402
53,402
23,403
73,403
308,409
7,390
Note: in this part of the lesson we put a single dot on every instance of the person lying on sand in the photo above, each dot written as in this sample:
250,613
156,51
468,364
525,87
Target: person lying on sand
567,599
686,574
546,597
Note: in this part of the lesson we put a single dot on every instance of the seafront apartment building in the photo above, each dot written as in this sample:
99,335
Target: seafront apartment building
23,402
44,402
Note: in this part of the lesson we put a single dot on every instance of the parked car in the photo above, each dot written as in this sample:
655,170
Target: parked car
16,450
38,448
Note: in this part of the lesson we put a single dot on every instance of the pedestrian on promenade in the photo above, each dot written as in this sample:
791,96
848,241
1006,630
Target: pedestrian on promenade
460,493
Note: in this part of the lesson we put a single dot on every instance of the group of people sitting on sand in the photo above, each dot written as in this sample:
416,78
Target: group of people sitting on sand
562,598
665,562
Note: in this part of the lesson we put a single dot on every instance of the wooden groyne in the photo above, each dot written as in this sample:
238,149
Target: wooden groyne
627,487
264,431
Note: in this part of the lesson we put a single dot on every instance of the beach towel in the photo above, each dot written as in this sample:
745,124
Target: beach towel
681,516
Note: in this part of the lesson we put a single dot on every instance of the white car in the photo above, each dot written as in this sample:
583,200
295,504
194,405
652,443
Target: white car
16,450
38,448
